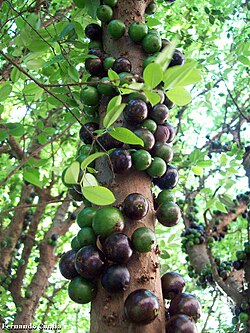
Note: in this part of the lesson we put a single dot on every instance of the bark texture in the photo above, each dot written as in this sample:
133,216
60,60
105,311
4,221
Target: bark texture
107,311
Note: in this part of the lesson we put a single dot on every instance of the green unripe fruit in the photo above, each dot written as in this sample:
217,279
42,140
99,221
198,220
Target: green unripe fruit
85,217
165,196
141,159
86,236
138,95
107,221
111,3
104,13
164,151
137,31
106,87
89,96
81,291
108,63
75,245
151,9
243,317
151,43
168,214
157,168
95,44
150,125
143,239
148,61
116,29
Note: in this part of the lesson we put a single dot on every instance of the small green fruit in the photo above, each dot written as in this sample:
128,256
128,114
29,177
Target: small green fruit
143,239
116,29
152,43
137,31
104,13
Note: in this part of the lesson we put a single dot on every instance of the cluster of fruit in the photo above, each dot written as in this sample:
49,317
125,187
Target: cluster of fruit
195,234
241,314
184,309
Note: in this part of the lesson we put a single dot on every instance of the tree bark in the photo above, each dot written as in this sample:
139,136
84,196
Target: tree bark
107,310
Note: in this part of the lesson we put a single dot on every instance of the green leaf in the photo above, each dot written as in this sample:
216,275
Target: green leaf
31,89
125,135
3,134
223,159
91,7
66,31
36,44
153,75
89,180
195,156
226,200
113,115
42,138
32,176
181,75
204,164
98,195
221,207
72,173
15,74
90,159
197,170
15,129
179,95
153,97
5,90
210,203
165,56
73,73
115,101
113,76
244,60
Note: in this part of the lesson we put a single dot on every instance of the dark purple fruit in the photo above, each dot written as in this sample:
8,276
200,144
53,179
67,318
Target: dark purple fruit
76,193
172,285
117,248
135,111
169,104
171,132
98,53
135,206
185,304
108,142
86,132
168,214
115,278
162,133
165,43
121,160
147,137
169,180
94,66
159,113
181,324
93,31
141,307
89,262
67,265
122,65
177,59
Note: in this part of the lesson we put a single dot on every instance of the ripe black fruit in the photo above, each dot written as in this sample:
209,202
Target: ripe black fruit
171,132
89,262
177,59
159,113
93,31
169,180
115,278
94,66
162,133
135,206
97,52
121,160
76,193
141,307
117,248
86,132
172,285
67,265
122,65
185,304
108,142
181,324
135,111
147,137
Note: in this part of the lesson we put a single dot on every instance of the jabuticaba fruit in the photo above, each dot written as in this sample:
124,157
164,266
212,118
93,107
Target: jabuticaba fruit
185,304
181,324
171,132
169,104
172,285
159,113
107,221
94,66
115,278
67,265
85,217
117,248
141,307
122,65
169,180
143,239
97,52
163,151
86,236
168,214
162,133
104,13
177,59
76,193
121,160
81,291
135,111
135,206
89,262
93,31
108,142
86,132
146,136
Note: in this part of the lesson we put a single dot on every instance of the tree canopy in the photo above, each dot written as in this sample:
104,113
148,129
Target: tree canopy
42,53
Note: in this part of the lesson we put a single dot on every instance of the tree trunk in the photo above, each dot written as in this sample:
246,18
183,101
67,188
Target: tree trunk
107,310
